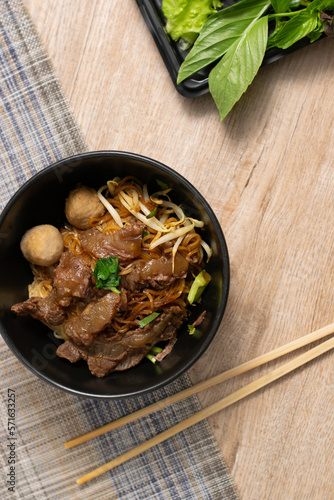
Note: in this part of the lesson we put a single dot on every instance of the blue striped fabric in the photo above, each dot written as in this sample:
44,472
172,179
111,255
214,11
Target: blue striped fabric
36,123
184,466
37,128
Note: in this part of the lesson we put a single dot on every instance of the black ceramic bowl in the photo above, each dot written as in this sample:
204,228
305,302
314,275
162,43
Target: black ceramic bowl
40,201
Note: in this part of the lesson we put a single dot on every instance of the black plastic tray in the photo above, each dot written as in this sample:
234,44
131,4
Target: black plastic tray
173,55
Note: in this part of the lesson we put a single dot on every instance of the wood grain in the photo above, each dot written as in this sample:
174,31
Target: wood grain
204,385
267,171
213,408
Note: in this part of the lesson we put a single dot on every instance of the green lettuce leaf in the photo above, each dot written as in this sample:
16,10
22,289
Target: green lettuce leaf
185,18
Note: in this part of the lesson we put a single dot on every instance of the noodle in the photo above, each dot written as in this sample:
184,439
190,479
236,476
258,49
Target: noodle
169,236
131,190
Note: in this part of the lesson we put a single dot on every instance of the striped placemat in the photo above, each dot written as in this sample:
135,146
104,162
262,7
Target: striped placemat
37,128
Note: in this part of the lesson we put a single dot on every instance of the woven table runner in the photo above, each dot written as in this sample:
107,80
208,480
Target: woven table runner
37,128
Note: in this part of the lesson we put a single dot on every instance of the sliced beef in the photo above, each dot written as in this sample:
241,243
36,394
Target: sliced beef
69,351
132,358
45,309
200,318
167,349
124,243
156,273
161,329
83,329
108,354
100,366
123,306
71,278
102,355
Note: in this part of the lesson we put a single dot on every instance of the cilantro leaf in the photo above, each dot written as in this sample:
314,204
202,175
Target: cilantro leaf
106,271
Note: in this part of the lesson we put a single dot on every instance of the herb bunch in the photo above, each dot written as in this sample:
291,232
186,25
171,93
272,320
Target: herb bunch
234,41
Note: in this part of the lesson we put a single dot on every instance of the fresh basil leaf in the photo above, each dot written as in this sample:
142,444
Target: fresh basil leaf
320,5
230,78
316,34
219,33
162,184
295,29
278,26
280,5
106,271
294,4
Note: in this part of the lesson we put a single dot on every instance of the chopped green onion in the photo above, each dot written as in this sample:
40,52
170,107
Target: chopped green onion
152,214
162,184
198,286
151,357
153,352
191,329
197,334
145,321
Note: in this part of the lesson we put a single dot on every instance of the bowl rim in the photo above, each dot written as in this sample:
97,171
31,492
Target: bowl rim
217,228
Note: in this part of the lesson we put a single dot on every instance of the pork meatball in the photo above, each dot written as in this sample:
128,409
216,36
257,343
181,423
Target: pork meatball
42,245
81,205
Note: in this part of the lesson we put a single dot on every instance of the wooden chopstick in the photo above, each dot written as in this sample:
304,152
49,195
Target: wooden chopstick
206,384
215,407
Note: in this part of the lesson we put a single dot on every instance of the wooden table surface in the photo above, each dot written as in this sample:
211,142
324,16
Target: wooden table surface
268,173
